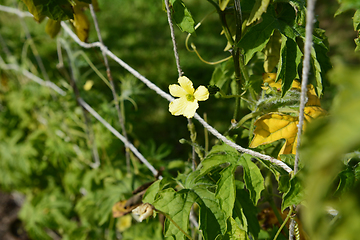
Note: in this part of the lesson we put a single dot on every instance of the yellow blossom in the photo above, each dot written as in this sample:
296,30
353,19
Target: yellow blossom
187,101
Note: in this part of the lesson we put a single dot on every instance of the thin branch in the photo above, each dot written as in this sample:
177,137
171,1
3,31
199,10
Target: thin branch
241,149
116,100
305,73
15,11
119,136
31,76
167,5
303,99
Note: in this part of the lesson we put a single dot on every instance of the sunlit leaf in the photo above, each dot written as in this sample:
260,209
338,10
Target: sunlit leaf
259,8
275,126
81,23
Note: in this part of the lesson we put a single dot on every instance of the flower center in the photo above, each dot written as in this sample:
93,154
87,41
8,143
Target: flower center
190,97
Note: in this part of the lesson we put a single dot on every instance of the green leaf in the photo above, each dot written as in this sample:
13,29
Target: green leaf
347,5
290,58
222,75
219,154
182,16
177,206
212,217
356,20
225,191
347,181
234,232
152,191
294,195
254,181
259,8
245,212
257,37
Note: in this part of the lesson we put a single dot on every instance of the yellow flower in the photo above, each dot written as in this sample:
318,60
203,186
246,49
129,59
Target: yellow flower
187,101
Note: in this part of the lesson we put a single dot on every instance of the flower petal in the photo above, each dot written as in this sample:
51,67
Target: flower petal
186,84
177,91
178,106
190,109
201,93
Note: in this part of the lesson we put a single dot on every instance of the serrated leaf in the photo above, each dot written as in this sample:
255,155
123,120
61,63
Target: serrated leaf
257,37
234,232
294,195
259,8
272,51
275,126
245,212
290,58
52,28
182,16
225,191
176,205
212,217
253,178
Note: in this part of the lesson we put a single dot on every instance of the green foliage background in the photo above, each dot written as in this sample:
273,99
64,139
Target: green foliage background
46,155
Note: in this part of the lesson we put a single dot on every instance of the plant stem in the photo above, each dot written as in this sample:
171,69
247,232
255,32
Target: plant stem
285,221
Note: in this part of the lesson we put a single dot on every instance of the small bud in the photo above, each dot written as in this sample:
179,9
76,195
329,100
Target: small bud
144,211
213,89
